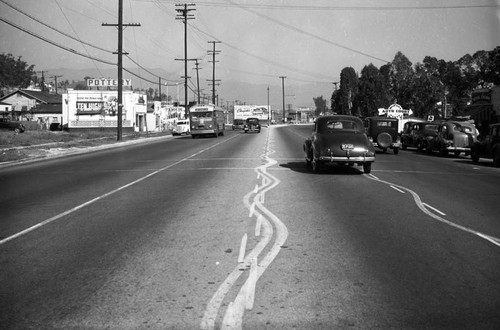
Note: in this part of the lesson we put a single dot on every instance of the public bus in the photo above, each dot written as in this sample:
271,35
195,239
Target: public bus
206,119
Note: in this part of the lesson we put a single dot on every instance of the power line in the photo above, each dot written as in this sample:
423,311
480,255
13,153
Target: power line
329,8
93,58
54,43
291,27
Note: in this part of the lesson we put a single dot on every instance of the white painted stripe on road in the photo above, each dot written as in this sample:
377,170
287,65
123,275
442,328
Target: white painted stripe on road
61,215
433,208
397,189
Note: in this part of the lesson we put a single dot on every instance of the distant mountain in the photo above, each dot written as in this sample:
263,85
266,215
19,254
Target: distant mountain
298,95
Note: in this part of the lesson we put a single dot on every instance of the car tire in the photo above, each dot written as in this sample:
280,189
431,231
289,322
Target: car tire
496,158
315,165
367,168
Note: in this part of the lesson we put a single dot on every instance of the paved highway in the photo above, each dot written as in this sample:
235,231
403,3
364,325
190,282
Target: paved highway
235,232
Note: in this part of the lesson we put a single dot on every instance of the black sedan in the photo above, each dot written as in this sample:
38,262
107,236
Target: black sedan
339,140
252,125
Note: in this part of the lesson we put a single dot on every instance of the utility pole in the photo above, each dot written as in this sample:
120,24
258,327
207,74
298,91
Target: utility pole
183,14
159,87
213,52
120,52
42,85
283,89
185,82
268,108
55,79
197,80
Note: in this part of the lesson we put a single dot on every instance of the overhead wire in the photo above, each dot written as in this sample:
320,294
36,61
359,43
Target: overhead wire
82,42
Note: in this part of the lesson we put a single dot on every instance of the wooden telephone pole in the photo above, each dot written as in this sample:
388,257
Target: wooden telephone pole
213,53
183,14
120,52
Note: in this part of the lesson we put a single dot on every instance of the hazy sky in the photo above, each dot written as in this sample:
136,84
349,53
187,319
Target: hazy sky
306,41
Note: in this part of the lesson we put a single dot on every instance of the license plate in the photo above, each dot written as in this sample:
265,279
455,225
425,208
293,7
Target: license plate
347,146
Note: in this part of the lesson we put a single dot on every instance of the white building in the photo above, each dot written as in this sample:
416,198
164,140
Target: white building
98,109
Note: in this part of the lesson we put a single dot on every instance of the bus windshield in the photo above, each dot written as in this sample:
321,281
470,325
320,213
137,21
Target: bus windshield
201,114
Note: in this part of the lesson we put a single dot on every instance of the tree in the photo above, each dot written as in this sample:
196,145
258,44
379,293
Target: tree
14,73
401,75
320,104
348,90
427,88
372,91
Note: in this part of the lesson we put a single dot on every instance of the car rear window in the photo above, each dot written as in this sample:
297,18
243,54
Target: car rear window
339,125
393,124
431,127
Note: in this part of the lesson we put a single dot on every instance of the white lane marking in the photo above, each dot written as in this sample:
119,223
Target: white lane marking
243,247
60,215
234,313
397,189
433,208
422,207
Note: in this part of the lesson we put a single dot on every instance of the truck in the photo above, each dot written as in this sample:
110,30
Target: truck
261,112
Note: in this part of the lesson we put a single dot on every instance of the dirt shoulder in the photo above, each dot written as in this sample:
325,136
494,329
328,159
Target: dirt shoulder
21,148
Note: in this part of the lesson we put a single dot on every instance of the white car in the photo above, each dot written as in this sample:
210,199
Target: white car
181,127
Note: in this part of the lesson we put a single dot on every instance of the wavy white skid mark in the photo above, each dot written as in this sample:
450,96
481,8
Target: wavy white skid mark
254,201
424,208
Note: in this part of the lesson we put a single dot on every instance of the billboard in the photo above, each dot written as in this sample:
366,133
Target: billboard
247,111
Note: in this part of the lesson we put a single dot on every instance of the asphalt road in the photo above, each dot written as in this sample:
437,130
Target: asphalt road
236,232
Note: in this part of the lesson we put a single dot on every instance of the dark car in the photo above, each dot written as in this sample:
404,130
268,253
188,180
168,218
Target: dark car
383,132
238,124
252,125
488,146
339,140
416,134
12,125
453,137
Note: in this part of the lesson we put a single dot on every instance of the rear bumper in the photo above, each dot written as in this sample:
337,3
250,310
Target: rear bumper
345,159
451,148
203,131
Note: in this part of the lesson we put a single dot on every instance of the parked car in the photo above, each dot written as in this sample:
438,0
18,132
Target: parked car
339,140
252,125
181,127
12,125
416,134
453,137
238,124
488,146
383,133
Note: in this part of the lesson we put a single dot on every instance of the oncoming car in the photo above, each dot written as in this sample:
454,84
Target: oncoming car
339,140
181,127
238,124
252,125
